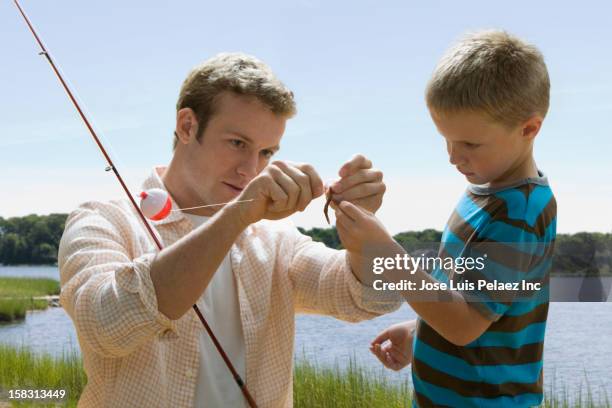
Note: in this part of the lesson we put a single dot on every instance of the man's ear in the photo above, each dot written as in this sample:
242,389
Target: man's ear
186,125
532,126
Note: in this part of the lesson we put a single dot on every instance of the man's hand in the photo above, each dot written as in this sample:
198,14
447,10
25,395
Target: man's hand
393,347
360,184
280,190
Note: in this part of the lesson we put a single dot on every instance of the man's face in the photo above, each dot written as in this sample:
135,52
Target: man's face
238,142
483,151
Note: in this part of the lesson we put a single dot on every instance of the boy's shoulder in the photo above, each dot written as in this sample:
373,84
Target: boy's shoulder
527,207
525,201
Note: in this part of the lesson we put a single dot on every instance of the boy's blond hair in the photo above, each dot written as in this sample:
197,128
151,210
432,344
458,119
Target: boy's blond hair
494,73
234,72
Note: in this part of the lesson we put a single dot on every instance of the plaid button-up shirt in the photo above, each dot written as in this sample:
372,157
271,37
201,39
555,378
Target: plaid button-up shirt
135,356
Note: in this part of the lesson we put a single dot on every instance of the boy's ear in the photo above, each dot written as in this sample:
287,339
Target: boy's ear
532,126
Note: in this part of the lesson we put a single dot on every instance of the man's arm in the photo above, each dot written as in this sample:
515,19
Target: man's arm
182,271
324,284
120,293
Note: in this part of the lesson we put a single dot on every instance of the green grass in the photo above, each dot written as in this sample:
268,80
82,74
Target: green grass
21,368
28,287
314,386
16,296
346,388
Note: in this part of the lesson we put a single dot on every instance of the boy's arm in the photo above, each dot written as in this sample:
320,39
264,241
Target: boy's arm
454,318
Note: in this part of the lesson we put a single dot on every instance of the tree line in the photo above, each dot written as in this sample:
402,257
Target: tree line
34,240
580,254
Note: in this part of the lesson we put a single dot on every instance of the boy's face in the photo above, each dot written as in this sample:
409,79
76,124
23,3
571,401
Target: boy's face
485,151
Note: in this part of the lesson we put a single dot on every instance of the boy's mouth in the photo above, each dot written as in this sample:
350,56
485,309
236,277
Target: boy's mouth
465,173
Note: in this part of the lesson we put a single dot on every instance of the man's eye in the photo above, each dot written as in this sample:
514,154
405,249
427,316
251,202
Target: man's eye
237,143
267,153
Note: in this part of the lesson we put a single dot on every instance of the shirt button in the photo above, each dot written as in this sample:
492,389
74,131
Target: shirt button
189,373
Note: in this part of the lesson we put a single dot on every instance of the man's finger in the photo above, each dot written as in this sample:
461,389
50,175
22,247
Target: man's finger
363,191
358,162
361,176
287,184
302,180
316,183
276,194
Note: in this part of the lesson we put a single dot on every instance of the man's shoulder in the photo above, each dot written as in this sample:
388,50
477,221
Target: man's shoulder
113,212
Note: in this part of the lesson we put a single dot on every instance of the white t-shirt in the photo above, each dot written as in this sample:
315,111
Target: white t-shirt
215,386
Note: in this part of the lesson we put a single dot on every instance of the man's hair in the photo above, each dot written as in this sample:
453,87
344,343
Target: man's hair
494,73
233,72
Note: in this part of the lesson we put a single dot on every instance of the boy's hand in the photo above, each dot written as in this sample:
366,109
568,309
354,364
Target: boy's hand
393,347
360,184
359,230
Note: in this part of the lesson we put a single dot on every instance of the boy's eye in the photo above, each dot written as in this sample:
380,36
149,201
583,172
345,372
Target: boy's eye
471,145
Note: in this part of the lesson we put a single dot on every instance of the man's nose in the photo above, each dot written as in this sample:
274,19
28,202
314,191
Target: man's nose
249,166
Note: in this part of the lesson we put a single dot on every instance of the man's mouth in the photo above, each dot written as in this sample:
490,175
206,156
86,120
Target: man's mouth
234,187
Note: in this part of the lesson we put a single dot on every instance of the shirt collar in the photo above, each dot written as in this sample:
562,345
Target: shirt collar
154,181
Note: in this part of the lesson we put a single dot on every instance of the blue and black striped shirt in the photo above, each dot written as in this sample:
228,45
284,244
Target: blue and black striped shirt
514,228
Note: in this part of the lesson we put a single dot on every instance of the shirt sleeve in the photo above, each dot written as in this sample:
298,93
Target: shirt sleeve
513,267
325,284
107,292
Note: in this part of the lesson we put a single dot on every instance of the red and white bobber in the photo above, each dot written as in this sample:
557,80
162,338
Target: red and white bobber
155,204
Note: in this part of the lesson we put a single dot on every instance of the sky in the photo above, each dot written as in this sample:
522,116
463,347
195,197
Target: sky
358,70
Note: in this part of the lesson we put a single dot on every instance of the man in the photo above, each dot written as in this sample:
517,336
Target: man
141,344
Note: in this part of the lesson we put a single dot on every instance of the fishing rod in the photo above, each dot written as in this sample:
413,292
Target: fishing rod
111,167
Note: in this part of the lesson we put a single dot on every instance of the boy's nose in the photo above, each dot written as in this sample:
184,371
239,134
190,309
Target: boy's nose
453,154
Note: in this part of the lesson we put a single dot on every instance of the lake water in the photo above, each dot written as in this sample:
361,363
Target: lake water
578,345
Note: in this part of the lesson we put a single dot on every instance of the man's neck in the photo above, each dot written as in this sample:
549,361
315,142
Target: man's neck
174,181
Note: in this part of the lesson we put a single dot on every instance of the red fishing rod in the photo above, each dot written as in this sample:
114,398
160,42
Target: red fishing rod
111,167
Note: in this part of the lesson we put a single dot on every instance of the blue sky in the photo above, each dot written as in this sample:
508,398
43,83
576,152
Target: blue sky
358,70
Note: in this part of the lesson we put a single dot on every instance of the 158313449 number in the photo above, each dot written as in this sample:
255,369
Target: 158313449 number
30,394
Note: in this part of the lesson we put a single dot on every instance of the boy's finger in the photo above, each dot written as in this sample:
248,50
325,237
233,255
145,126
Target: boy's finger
381,338
380,357
398,355
351,210
391,361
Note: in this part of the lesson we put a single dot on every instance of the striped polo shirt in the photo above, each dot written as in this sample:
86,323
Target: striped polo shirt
513,230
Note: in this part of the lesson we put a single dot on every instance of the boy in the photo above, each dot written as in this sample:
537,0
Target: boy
478,346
